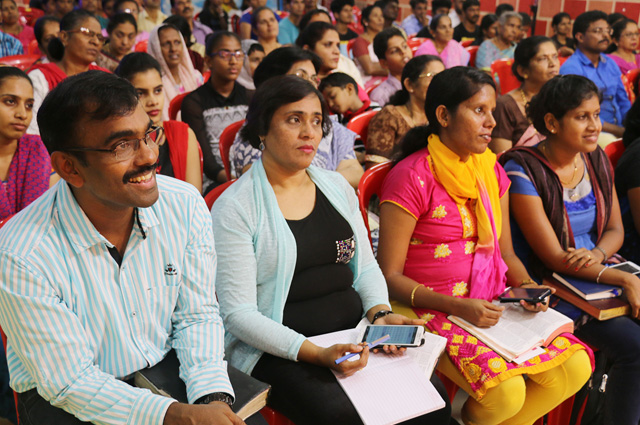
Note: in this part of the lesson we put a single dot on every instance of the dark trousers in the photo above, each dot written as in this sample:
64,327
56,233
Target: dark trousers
35,410
310,395
619,340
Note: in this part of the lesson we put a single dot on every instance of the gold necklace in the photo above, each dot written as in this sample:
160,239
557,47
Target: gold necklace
524,97
575,166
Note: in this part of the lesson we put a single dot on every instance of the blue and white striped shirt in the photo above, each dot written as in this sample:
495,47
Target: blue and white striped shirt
76,321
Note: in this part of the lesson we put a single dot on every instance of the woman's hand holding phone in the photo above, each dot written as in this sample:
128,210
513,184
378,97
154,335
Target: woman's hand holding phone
395,319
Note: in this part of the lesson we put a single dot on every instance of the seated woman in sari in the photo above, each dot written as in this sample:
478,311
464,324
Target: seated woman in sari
294,261
445,248
443,45
568,221
535,62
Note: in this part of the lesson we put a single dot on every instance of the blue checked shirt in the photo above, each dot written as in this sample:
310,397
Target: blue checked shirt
10,46
76,321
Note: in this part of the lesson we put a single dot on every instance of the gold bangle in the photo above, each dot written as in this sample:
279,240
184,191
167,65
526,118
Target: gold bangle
529,281
413,293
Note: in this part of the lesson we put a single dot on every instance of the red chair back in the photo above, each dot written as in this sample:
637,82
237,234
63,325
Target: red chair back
175,105
141,46
226,140
614,151
350,46
23,62
415,42
215,193
360,124
466,43
30,15
33,48
501,72
473,51
370,184
630,81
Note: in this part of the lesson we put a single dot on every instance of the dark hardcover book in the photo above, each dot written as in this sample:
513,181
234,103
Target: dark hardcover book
163,378
589,290
604,309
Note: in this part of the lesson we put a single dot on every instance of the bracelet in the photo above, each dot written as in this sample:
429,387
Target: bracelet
602,250
529,281
413,294
379,314
600,274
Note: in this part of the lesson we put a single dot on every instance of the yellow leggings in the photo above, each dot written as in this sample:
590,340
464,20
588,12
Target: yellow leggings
517,401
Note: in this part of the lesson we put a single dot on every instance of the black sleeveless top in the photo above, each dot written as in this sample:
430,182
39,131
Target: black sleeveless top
321,298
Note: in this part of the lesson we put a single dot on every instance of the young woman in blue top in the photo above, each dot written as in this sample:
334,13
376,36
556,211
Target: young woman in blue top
567,220
294,261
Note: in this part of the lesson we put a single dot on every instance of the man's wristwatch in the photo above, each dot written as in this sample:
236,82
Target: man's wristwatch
210,398
379,314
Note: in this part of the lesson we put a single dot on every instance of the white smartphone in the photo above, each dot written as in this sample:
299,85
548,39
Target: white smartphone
400,335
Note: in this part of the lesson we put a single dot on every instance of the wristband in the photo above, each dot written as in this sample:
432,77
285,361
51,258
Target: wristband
379,314
602,250
413,294
210,398
529,281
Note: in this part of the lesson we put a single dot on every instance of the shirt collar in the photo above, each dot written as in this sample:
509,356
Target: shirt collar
584,60
80,230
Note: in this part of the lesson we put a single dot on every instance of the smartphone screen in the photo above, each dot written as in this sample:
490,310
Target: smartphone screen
401,335
527,294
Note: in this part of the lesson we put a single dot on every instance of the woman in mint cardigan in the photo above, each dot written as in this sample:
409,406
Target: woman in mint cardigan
294,261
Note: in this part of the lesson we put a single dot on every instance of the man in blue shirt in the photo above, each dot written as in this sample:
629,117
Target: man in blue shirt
10,46
593,35
109,270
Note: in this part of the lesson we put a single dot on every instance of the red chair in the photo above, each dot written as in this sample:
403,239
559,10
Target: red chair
206,76
473,51
415,42
350,46
141,46
30,15
215,193
356,25
373,85
370,184
614,151
23,62
360,124
501,72
466,43
226,140
33,48
174,106
632,78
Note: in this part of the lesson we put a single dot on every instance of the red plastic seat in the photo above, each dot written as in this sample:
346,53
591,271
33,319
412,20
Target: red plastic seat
175,105
226,140
473,51
23,62
141,46
632,83
415,42
30,15
350,46
360,124
215,193
370,184
33,48
274,417
466,43
501,72
614,151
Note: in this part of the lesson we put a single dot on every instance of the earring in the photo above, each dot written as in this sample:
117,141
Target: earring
553,131
261,147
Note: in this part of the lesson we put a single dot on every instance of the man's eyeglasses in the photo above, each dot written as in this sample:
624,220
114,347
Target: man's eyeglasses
226,55
601,30
88,33
127,149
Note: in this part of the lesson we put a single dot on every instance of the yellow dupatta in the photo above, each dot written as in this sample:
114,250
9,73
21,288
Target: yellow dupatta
466,180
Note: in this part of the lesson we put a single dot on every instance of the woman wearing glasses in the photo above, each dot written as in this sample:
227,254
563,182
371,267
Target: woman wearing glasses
73,51
217,103
167,46
404,111
179,156
625,38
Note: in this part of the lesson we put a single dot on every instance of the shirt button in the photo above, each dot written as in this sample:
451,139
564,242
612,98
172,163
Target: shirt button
133,314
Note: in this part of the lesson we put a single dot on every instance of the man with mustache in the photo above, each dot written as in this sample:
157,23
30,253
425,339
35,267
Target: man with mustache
109,270
593,35
199,30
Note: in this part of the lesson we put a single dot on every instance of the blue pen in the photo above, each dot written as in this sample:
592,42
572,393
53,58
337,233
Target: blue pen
370,345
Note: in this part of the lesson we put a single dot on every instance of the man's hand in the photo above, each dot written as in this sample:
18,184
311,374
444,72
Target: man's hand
215,413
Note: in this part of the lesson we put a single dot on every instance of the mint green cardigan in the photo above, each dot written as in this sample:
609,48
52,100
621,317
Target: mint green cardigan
256,256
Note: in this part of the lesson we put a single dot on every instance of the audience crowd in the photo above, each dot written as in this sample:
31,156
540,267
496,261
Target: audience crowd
123,115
